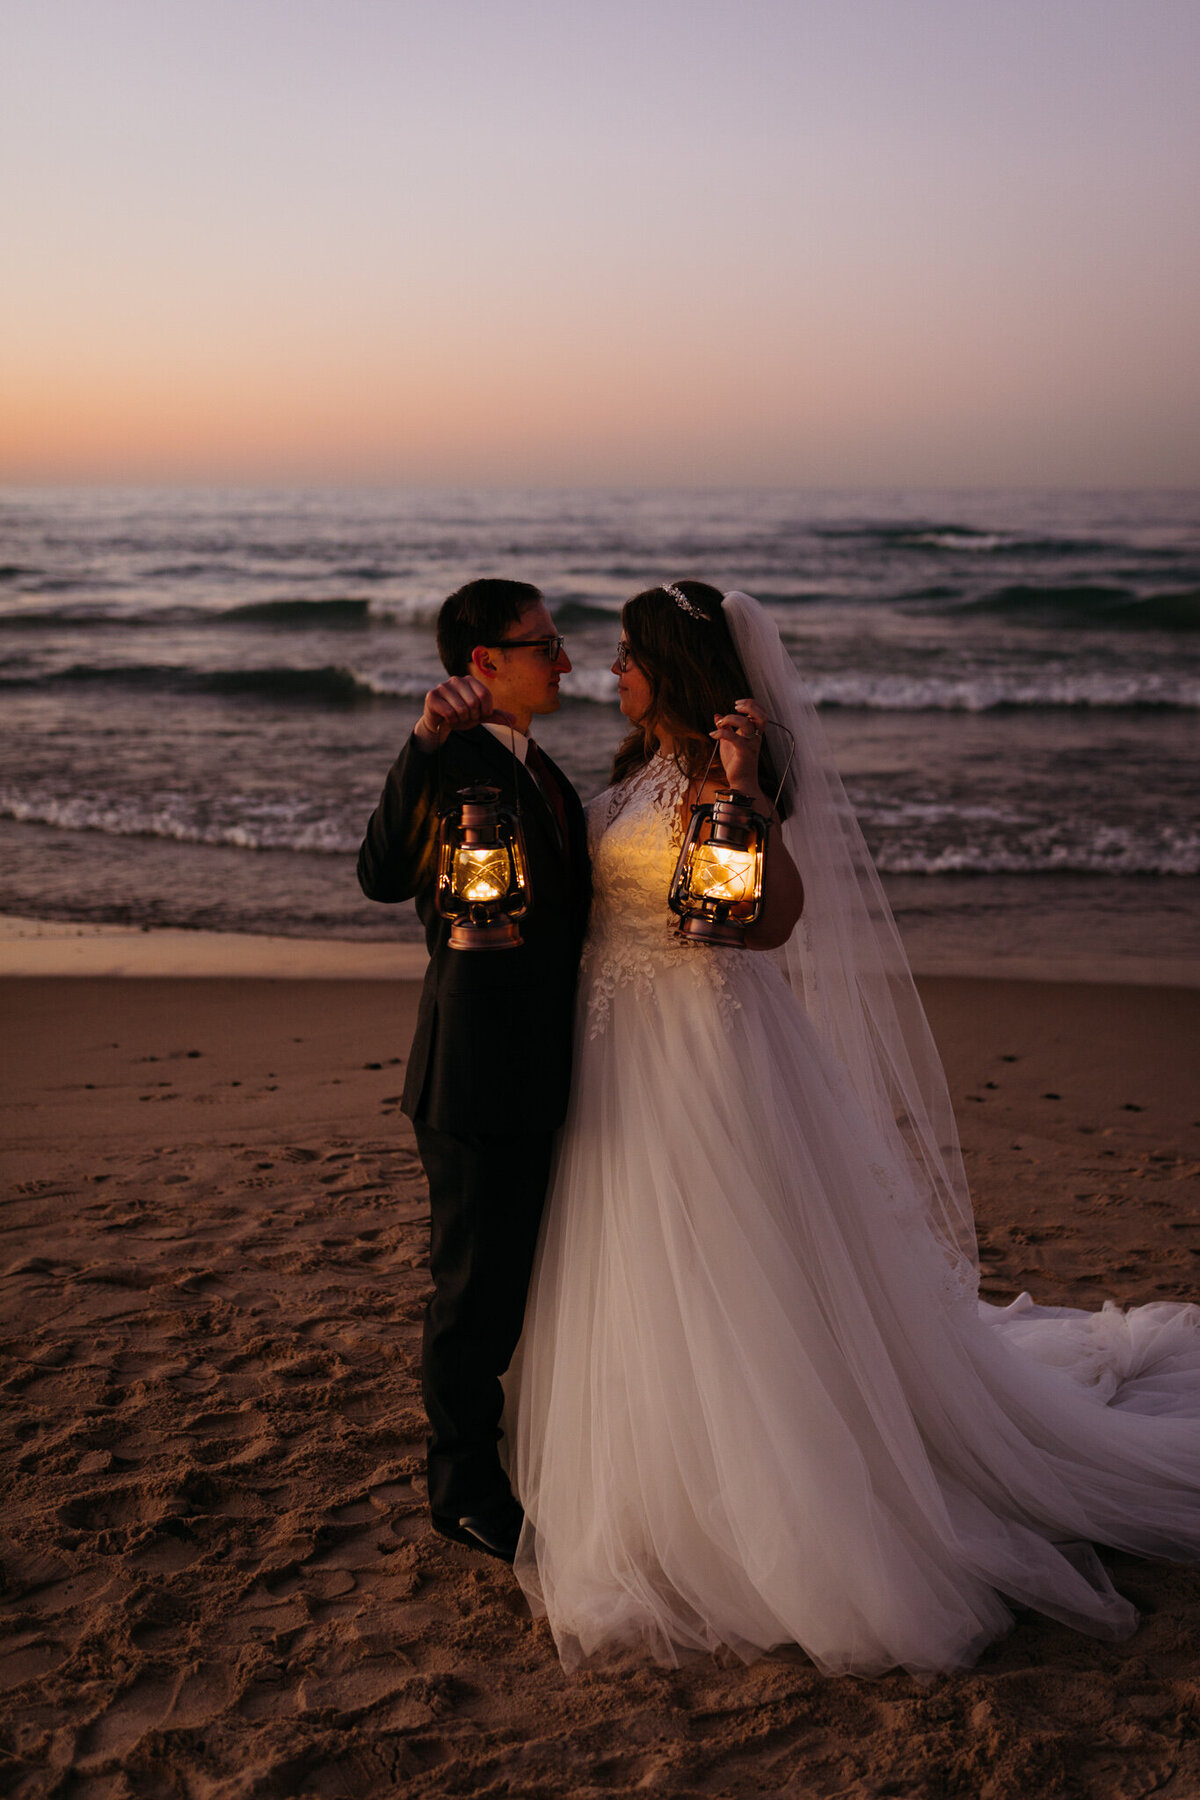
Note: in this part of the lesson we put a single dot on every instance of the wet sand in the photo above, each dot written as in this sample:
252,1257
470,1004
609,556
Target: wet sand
219,1580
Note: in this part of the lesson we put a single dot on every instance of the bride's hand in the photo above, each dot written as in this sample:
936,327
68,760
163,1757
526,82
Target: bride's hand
739,734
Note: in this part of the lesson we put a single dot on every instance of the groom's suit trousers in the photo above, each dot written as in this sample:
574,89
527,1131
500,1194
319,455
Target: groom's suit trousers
485,1201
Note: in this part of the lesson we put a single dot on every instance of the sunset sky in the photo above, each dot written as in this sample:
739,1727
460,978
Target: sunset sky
819,242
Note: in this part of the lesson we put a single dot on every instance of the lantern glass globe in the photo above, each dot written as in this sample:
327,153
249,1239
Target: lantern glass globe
481,875
721,872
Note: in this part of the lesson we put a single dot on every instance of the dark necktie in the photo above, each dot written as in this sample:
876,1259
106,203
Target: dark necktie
542,773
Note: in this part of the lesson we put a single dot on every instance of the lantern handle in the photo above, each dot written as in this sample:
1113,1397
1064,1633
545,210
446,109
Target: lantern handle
791,738
512,745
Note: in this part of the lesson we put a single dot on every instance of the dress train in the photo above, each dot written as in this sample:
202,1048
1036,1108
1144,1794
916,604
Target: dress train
752,1404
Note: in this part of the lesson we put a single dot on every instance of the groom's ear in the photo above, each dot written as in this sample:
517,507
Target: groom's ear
481,662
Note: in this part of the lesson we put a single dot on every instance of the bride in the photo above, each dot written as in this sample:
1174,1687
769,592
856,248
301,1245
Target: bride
757,1400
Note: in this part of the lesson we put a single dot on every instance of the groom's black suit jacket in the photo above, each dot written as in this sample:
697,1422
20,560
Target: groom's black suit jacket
492,1048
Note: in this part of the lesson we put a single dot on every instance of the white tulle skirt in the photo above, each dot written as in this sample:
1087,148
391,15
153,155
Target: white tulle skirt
750,1409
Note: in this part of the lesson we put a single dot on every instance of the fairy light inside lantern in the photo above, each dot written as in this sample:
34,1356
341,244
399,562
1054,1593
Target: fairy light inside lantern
716,890
483,872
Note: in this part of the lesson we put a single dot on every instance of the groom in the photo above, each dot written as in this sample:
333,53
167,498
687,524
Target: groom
489,1069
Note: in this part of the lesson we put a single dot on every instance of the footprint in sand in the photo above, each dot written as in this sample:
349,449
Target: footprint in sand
138,1365
227,1425
353,1512
205,1282
154,1704
30,1657
112,1509
201,1378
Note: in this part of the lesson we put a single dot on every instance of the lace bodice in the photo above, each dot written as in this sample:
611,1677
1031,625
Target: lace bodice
635,831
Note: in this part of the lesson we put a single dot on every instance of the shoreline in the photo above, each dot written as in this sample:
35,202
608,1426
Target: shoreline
31,947
57,947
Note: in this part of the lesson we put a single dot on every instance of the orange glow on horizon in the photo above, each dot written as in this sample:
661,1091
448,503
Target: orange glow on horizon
892,245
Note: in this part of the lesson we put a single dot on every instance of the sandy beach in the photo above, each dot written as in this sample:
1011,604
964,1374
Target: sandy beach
219,1580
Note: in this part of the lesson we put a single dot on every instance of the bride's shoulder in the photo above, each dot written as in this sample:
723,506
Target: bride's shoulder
653,788
599,803
613,800
597,807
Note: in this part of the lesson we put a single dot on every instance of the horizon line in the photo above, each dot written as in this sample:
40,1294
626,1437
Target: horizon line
336,484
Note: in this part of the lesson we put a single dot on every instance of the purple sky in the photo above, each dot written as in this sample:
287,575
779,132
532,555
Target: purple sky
676,241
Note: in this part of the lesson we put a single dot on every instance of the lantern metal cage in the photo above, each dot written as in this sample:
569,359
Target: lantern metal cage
482,884
716,891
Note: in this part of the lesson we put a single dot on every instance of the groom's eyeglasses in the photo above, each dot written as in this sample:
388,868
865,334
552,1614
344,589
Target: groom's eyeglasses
551,647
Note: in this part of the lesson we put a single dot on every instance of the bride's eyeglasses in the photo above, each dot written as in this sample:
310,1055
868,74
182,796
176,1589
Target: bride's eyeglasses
622,658
551,647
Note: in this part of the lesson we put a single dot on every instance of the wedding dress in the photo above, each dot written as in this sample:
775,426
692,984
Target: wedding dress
756,1402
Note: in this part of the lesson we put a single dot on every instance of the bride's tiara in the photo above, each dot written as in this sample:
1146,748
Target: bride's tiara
684,604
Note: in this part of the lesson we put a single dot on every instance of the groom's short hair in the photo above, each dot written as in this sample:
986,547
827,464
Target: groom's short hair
479,613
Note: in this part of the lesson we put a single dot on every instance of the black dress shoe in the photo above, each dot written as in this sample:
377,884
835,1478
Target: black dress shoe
493,1529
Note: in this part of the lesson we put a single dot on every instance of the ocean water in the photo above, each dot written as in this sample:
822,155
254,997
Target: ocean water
201,690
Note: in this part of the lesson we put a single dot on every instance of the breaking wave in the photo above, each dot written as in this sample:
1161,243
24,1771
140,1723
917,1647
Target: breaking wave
957,538
331,684
296,614
982,842
1122,857
1138,690
338,686
350,611
1090,604
175,817
324,613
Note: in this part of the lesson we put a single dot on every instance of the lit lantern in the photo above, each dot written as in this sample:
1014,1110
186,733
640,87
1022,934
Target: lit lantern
483,872
717,886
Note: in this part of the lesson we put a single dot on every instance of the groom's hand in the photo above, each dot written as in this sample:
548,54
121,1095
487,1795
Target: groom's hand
455,705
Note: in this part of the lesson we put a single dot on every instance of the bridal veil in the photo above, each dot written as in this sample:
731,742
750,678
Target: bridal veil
845,961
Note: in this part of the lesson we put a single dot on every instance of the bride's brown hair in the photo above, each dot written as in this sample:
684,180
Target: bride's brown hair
688,656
